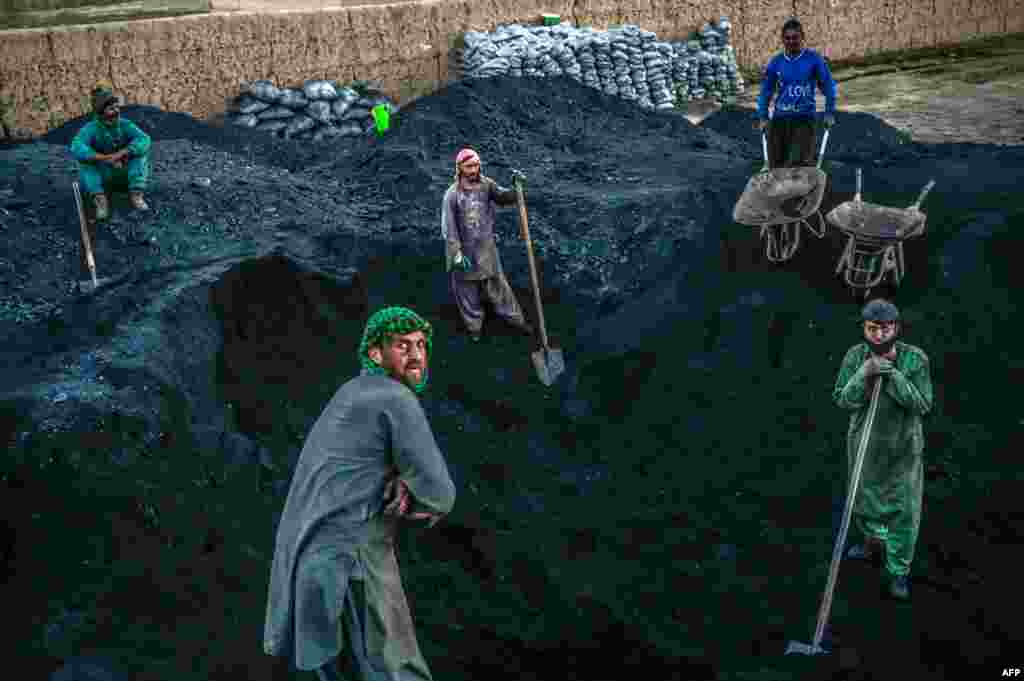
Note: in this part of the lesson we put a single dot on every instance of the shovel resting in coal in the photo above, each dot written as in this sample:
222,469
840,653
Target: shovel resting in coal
548,361
814,648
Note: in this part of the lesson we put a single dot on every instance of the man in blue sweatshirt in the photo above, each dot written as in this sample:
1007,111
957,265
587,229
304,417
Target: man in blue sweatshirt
795,72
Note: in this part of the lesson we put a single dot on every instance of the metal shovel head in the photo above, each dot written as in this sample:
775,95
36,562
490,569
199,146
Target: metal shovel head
549,364
87,285
798,648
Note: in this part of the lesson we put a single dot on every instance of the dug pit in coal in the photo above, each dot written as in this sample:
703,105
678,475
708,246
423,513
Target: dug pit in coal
667,506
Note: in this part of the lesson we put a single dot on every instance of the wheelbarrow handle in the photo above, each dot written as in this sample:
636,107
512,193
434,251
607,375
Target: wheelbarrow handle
859,184
764,146
923,195
824,144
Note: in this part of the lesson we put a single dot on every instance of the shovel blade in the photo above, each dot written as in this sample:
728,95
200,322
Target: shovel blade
798,648
549,365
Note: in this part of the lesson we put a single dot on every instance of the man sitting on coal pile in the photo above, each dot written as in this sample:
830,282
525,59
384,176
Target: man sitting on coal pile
796,72
112,154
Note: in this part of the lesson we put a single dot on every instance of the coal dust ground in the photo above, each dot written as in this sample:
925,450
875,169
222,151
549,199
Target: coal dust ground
669,506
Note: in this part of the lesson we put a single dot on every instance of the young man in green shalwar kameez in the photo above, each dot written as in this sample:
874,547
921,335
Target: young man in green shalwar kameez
888,506
336,603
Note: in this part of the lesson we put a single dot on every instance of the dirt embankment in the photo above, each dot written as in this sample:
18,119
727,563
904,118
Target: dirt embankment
193,64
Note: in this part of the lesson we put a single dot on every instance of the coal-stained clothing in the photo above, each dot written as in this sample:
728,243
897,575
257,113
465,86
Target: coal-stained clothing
471,295
888,504
354,661
468,217
100,137
333,529
791,142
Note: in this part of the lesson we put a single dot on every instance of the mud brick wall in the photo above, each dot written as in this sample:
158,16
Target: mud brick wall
194,64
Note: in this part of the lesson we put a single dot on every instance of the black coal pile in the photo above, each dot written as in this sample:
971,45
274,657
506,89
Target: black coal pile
695,414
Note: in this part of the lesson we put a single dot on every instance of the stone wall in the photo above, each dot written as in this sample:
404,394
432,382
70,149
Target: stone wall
193,64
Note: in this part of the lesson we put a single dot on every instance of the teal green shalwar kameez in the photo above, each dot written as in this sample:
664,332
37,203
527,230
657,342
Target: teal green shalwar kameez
888,505
100,137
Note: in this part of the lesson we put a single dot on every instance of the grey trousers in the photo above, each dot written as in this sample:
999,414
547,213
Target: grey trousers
470,296
354,663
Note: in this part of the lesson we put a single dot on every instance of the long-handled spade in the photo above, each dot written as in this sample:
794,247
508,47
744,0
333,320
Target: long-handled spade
796,647
86,242
548,361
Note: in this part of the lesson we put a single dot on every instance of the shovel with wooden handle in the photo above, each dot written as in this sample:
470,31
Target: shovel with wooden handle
86,242
548,361
815,648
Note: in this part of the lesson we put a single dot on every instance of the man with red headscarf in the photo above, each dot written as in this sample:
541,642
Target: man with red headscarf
467,226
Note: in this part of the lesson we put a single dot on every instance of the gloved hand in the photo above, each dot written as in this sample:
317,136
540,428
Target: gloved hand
829,121
518,179
462,262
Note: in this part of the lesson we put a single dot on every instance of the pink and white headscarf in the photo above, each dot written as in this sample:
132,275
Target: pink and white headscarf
466,154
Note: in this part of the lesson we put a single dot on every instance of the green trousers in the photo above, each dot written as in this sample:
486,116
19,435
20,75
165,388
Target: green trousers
97,177
354,663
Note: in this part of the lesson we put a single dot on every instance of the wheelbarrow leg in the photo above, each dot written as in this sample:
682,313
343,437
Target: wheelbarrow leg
844,259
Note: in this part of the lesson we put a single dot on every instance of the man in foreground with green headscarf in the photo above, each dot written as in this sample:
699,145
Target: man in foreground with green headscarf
112,153
888,506
336,603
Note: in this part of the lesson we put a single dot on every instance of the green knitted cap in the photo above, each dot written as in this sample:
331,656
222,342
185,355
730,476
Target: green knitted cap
392,321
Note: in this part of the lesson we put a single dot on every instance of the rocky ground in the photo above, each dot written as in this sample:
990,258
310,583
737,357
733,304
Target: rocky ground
669,504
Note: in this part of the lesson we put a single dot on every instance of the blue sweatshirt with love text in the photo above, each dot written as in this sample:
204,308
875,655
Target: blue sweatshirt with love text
796,78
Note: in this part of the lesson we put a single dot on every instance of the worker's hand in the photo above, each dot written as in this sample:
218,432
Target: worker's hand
761,124
398,493
875,365
518,179
829,121
423,515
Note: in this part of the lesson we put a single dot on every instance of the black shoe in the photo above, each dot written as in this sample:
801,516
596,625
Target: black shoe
899,588
527,329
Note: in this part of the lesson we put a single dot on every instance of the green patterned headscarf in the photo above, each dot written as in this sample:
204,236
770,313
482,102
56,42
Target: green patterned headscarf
392,321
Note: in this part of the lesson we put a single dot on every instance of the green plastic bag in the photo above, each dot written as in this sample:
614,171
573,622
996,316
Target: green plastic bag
382,117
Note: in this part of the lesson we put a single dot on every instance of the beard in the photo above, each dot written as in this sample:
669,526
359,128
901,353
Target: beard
882,348
407,375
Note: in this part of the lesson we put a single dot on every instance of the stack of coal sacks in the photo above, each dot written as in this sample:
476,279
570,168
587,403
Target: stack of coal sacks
705,66
625,61
317,111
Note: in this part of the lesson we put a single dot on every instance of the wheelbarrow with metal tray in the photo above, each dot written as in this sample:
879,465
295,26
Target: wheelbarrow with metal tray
781,201
874,238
